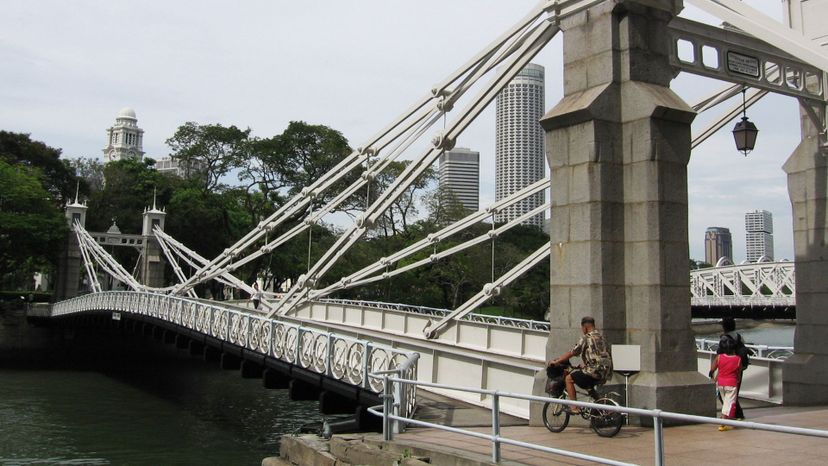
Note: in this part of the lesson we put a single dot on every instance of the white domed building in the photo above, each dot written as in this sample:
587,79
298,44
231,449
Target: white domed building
125,138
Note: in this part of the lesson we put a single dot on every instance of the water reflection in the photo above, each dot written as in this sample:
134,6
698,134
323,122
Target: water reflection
163,409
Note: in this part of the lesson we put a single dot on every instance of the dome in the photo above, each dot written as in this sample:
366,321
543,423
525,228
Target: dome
127,112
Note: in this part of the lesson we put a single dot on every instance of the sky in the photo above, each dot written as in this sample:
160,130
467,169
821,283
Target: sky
69,67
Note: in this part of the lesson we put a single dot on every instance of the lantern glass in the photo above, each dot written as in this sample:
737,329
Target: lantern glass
745,134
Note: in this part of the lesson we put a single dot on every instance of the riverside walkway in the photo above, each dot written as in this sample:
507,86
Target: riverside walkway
684,445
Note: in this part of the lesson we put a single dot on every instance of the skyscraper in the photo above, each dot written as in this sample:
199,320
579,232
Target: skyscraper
460,175
125,138
519,156
759,232
717,244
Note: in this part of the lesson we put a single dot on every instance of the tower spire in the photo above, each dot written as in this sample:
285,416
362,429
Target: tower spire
153,197
77,188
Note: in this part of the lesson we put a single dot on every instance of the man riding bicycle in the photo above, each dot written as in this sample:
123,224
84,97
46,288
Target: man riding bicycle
596,357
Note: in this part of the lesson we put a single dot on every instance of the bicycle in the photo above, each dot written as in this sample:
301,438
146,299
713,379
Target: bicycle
605,423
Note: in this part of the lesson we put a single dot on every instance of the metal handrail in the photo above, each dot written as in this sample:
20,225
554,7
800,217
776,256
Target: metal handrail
322,352
512,322
656,414
762,352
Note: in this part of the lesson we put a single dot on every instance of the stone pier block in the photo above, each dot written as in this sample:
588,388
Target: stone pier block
229,362
251,370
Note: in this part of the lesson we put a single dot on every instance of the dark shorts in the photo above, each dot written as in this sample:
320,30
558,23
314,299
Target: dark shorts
583,380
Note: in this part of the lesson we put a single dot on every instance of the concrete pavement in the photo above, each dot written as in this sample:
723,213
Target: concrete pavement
684,445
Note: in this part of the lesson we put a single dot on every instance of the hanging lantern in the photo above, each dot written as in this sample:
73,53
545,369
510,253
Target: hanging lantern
745,134
745,131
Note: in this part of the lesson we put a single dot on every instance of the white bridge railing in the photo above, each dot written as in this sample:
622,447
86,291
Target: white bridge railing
760,284
524,339
762,380
340,357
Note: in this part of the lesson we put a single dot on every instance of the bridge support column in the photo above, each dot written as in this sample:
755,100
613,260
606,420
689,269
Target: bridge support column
331,403
250,370
301,391
618,146
195,348
274,379
230,362
181,341
805,374
212,354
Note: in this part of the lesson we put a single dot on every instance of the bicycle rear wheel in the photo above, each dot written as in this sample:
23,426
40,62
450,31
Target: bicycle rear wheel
604,422
555,417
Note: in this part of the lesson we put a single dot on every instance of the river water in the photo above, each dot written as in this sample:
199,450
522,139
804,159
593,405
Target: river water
759,332
164,411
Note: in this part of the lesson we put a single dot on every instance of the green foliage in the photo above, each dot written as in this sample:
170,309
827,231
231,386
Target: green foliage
54,174
208,213
698,264
129,189
212,150
31,226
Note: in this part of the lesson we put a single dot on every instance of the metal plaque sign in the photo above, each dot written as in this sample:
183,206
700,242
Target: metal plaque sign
742,64
116,316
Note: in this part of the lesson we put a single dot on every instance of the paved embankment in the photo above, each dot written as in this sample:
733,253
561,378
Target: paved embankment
684,445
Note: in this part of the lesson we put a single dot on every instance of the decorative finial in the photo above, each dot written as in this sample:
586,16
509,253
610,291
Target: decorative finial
153,199
77,188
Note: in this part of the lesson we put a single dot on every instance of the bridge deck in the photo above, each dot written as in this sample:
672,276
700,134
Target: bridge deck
691,445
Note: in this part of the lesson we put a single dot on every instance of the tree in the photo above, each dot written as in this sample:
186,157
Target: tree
54,174
698,264
444,207
212,150
31,226
90,171
130,186
310,151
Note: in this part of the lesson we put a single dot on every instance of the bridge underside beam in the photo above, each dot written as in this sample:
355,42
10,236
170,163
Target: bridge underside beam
744,312
275,373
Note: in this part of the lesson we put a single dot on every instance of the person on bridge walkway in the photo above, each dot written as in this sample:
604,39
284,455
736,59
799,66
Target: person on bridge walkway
728,364
729,329
595,354
257,295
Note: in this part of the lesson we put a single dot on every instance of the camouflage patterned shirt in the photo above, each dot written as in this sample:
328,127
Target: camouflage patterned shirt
595,353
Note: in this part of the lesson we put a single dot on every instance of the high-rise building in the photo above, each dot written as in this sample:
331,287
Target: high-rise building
125,138
179,168
519,155
759,232
460,176
717,244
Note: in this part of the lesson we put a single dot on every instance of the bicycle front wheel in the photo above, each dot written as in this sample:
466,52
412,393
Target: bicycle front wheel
555,417
604,422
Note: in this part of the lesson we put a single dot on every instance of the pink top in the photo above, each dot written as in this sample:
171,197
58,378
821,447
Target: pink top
729,367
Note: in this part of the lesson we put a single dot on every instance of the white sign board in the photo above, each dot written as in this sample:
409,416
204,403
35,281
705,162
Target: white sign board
743,64
626,358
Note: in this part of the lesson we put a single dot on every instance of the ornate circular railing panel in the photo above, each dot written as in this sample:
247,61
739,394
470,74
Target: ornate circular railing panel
343,358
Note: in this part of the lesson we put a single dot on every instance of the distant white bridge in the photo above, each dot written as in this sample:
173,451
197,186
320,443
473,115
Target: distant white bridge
754,285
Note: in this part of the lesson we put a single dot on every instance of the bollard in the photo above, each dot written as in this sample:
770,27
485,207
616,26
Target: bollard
387,399
658,431
496,428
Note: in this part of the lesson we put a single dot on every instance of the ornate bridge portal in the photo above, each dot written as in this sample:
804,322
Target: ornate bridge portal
618,144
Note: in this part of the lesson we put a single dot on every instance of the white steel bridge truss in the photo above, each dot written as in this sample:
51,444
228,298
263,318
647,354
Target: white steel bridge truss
761,284
792,66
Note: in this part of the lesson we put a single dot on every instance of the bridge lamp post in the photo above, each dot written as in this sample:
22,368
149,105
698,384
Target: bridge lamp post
745,131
